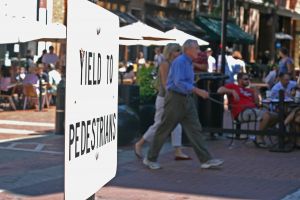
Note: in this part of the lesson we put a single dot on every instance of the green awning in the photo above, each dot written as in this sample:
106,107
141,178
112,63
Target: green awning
167,24
234,33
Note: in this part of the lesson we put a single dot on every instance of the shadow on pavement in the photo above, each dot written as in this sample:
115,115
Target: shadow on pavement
248,173
32,166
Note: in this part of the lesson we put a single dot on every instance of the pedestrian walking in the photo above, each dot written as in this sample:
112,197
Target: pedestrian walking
171,51
210,60
179,107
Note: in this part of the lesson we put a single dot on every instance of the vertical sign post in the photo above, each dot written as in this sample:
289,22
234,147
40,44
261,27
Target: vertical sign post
91,99
224,35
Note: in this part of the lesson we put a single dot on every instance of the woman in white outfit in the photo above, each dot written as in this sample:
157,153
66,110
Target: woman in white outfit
171,51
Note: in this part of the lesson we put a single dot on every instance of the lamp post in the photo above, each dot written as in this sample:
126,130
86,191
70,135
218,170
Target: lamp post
223,34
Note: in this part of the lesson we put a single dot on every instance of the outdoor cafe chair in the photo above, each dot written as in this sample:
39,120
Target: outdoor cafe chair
293,125
30,93
9,97
250,124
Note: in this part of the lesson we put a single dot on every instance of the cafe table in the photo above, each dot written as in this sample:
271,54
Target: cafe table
281,106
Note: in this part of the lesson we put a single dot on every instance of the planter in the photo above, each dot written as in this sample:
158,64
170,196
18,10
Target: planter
146,114
128,125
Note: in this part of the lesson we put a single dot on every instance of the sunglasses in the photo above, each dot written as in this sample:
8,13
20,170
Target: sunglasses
245,79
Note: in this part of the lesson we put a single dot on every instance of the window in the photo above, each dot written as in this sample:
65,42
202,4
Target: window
216,3
205,2
174,1
108,6
246,16
114,6
122,8
137,13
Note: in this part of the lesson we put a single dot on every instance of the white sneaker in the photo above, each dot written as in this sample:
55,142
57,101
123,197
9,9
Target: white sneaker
212,163
150,164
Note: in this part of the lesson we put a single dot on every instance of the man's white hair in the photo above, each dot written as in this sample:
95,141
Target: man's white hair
189,44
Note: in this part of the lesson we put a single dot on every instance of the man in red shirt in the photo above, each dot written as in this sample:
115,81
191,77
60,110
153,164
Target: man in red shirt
201,62
243,101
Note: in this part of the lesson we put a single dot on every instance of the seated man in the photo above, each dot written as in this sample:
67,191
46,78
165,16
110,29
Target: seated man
129,76
293,119
284,84
6,85
243,101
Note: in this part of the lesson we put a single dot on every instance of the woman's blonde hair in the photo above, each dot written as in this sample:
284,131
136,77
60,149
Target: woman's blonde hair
169,49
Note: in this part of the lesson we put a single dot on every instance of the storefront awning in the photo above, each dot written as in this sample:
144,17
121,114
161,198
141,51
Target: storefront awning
284,12
255,1
288,13
125,18
234,33
166,24
283,36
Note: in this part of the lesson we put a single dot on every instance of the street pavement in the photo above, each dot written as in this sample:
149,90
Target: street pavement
31,168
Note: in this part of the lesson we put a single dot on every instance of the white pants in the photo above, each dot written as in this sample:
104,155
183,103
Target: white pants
159,110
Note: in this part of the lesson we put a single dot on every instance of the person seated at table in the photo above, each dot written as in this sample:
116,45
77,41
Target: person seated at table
21,73
293,119
43,77
129,76
6,85
31,77
41,74
285,83
243,101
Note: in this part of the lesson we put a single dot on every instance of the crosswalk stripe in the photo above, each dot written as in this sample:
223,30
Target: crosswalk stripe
23,123
15,131
32,150
28,137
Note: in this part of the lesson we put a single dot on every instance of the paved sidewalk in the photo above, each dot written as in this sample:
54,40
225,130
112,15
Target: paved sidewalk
248,173
31,168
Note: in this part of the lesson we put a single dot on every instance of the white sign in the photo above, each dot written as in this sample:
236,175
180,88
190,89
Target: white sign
91,99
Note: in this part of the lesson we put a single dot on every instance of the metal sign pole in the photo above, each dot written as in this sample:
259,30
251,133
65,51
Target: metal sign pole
281,147
223,36
40,88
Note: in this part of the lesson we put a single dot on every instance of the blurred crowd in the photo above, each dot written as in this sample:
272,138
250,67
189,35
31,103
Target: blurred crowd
42,76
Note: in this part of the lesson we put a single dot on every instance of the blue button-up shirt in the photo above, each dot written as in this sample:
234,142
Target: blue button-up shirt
181,75
287,91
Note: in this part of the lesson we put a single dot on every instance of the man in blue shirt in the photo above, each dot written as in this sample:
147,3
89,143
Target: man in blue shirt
284,84
180,108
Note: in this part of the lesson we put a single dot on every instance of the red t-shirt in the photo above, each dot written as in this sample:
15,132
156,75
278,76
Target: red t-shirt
246,99
201,59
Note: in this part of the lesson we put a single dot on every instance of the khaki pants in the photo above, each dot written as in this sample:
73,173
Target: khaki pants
159,110
179,109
